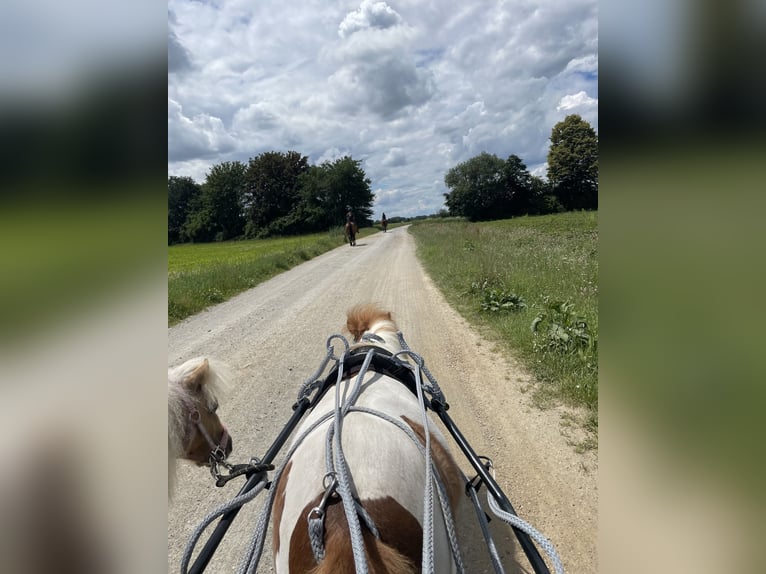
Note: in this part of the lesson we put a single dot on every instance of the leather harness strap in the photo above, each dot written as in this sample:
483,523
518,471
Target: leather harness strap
383,362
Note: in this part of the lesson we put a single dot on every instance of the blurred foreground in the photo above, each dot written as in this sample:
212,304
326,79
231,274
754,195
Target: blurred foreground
682,366
82,287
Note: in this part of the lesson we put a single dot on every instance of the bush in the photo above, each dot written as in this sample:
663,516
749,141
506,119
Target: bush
559,329
495,300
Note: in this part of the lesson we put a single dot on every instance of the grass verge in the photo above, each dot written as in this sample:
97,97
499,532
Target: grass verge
531,285
204,274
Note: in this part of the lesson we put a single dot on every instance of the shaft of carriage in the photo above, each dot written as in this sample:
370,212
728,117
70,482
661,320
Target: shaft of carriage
206,554
533,555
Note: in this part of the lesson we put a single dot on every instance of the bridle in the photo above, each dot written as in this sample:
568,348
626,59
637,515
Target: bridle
217,457
217,449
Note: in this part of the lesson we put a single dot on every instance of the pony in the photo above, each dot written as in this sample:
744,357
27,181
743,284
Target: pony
387,474
195,432
351,229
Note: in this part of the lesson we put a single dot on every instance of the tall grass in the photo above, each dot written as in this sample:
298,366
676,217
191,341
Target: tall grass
505,276
200,275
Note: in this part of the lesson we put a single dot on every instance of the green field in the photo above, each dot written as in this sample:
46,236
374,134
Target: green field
503,276
506,277
200,275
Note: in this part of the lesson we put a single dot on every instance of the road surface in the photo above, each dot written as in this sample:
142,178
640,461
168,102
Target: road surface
273,337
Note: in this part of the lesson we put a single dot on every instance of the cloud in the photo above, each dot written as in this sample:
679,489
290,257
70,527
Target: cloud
586,65
377,68
384,86
371,14
576,101
409,88
331,154
200,136
257,117
178,56
395,157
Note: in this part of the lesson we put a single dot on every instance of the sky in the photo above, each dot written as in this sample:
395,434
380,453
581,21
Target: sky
410,88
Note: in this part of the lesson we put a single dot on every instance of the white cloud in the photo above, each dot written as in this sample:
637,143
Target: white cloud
410,88
576,101
332,154
200,136
586,64
370,14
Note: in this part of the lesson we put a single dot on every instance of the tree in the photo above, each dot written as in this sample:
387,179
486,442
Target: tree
327,189
316,206
182,192
478,188
216,215
573,163
349,185
271,189
225,187
543,200
519,189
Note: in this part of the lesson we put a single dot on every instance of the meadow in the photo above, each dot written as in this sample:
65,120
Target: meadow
203,274
530,284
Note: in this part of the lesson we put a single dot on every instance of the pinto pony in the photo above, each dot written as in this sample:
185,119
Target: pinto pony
195,432
387,475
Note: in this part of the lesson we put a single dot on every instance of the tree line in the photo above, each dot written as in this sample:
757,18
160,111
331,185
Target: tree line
487,187
275,193
279,193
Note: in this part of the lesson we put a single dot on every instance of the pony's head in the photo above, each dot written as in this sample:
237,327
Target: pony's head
370,324
195,432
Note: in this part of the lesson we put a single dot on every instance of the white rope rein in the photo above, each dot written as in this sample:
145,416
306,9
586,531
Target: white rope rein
341,481
340,466
242,500
482,519
523,525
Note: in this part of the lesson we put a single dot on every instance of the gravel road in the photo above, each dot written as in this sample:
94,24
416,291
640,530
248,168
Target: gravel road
273,337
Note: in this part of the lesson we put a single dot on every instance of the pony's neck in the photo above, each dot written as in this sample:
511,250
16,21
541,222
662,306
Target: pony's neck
385,336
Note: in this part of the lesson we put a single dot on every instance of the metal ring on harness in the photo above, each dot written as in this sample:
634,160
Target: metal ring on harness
329,491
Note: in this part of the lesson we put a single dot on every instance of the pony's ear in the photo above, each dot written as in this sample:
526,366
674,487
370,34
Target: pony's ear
196,378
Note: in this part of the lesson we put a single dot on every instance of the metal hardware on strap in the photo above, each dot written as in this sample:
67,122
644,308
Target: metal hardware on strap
315,519
318,510
253,467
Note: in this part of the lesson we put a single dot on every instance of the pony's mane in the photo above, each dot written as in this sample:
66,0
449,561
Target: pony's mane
372,318
180,400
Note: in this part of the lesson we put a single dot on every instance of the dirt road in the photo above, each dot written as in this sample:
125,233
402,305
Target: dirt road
273,338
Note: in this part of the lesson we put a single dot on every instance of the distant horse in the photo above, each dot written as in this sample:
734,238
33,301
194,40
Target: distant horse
195,432
384,223
387,474
351,230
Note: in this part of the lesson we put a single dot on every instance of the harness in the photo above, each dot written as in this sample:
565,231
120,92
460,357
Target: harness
383,362
357,361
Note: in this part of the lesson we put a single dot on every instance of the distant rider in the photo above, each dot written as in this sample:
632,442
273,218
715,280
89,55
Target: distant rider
350,226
